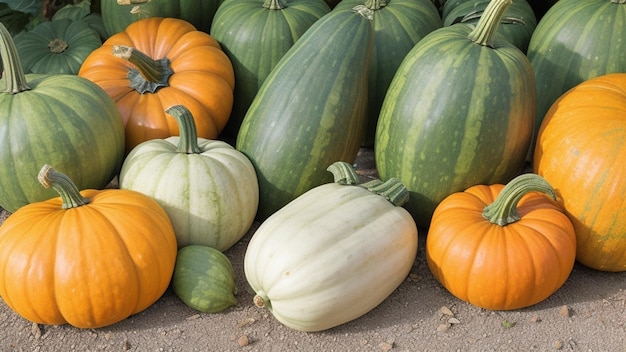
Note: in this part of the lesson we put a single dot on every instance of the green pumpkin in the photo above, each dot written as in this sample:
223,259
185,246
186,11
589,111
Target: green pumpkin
247,28
118,14
398,26
63,120
310,111
207,187
459,112
517,24
56,47
574,41
204,279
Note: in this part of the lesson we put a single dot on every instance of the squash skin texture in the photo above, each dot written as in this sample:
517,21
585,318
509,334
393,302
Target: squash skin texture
330,256
456,114
580,151
500,267
296,128
89,266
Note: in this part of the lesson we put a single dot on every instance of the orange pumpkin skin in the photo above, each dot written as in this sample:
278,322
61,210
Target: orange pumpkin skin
581,152
89,266
500,267
203,79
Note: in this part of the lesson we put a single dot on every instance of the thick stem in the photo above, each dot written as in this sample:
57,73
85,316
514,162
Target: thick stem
188,142
150,74
274,4
14,77
503,210
375,4
57,46
262,301
70,195
488,24
344,173
392,190
364,11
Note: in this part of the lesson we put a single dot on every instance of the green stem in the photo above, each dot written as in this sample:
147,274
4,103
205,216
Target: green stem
70,195
503,210
188,142
392,190
487,26
57,46
344,173
274,4
149,75
364,11
14,77
375,4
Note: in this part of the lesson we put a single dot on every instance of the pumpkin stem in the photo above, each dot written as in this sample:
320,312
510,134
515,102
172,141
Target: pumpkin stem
57,46
262,301
503,210
70,195
392,190
14,77
478,14
188,142
375,4
148,75
487,26
344,173
364,11
274,4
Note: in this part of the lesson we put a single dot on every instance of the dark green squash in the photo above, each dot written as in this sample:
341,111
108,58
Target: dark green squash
56,47
398,26
255,34
576,40
459,112
310,111
63,120
118,14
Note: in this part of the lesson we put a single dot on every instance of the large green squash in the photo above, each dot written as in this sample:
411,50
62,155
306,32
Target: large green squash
517,24
118,14
576,40
58,46
398,26
255,34
63,120
459,112
310,112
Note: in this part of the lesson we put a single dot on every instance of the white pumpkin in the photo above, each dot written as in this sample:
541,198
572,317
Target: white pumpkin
208,188
332,254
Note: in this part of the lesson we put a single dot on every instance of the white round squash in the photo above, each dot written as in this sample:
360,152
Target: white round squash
332,254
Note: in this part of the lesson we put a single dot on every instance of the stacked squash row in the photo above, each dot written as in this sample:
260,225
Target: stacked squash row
451,99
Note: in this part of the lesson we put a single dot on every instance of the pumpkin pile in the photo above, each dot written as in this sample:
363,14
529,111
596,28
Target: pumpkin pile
176,125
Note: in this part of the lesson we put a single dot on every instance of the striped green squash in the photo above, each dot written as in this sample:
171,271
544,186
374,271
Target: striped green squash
517,25
255,34
398,26
576,40
310,112
204,279
62,120
459,112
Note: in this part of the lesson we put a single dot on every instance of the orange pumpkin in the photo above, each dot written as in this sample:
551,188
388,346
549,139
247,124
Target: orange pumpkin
157,63
580,151
501,247
89,258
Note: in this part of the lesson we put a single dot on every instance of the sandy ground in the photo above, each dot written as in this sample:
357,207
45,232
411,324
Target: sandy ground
587,314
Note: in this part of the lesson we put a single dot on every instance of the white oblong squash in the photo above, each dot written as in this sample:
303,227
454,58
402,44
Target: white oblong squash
331,255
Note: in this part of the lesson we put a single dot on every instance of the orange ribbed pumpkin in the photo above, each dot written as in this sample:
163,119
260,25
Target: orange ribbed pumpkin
89,258
581,152
157,63
501,247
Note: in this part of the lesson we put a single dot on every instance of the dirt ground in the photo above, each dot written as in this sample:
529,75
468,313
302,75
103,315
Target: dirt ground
587,314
